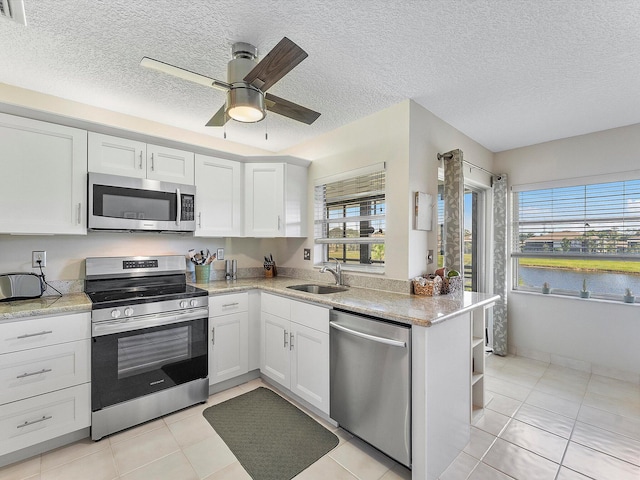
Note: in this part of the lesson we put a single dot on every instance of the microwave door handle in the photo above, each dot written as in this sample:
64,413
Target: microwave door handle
178,207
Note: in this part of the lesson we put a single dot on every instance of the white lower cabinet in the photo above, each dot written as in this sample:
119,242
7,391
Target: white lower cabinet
45,374
295,347
228,336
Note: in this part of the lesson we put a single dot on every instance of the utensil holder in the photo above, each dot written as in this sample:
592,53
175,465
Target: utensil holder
203,273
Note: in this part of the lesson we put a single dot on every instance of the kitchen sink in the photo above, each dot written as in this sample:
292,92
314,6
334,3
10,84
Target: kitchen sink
320,289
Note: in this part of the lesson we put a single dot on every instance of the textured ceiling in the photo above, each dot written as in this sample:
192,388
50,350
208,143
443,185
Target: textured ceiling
507,73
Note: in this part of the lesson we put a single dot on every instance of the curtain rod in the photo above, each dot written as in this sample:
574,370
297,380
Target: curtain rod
449,156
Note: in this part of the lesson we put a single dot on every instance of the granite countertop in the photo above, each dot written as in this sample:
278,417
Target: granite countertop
69,303
404,308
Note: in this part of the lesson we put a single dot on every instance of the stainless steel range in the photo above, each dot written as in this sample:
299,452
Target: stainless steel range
149,340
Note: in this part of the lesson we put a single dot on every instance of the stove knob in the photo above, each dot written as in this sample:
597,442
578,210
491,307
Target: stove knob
128,311
194,303
115,313
184,304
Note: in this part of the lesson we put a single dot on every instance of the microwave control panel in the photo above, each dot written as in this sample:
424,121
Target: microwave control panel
188,207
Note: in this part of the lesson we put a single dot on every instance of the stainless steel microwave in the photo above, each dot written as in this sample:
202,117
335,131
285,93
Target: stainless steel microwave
139,204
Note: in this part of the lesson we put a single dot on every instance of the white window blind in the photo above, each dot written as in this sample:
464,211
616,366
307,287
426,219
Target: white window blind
350,217
595,220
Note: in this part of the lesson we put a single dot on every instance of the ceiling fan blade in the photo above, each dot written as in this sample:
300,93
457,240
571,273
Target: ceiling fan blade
182,73
276,64
220,118
289,109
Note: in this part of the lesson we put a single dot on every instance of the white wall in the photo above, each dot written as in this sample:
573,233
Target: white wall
604,334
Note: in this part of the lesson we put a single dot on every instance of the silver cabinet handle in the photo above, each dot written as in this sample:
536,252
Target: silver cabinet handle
286,337
140,159
199,219
291,341
373,338
26,424
278,222
24,375
153,167
78,213
27,335
213,336
231,304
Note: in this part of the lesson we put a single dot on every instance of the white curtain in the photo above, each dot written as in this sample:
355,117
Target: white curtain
500,264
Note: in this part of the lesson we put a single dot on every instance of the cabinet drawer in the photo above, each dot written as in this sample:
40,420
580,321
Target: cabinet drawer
225,304
42,331
41,370
275,305
311,316
37,419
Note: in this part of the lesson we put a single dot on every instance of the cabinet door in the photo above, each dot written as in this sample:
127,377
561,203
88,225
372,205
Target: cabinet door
310,365
229,346
218,197
275,349
264,199
43,184
170,165
117,156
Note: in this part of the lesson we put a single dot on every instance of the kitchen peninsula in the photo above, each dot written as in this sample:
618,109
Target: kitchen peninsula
445,330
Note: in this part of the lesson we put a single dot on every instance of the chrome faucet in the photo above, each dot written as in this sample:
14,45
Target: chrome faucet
336,272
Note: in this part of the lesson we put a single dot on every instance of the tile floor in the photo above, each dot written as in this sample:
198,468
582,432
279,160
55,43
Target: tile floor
541,422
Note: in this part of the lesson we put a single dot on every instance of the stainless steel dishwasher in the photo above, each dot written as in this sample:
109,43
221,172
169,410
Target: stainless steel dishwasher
370,381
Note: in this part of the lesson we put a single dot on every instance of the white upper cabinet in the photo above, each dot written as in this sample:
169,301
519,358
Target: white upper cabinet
275,200
43,179
218,197
130,158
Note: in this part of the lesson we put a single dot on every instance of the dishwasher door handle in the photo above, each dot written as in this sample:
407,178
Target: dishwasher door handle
373,338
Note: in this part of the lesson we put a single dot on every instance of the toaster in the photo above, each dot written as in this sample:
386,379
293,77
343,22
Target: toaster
19,286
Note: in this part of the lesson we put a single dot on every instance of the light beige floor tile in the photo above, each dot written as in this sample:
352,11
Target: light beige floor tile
611,387
191,430
485,472
71,452
460,468
546,420
361,460
553,403
517,377
566,474
568,375
135,431
629,427
535,440
479,444
324,469
172,467
343,435
562,389
598,465
142,449
231,472
508,389
225,395
397,472
97,466
20,470
185,412
607,442
495,362
209,456
491,422
519,462
501,404
619,406
536,367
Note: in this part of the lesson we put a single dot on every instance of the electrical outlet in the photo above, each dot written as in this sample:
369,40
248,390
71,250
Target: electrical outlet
307,254
430,257
38,259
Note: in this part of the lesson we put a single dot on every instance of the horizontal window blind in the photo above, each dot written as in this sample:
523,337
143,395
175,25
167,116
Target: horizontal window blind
592,220
350,216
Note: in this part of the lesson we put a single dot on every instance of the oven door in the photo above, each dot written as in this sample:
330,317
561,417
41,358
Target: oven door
123,203
130,364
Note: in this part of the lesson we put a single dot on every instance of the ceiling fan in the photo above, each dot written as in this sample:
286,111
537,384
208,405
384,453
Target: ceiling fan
247,83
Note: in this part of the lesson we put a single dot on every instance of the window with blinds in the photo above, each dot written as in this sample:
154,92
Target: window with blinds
350,217
581,237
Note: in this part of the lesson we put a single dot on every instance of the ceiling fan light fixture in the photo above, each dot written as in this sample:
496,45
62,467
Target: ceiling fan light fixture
245,104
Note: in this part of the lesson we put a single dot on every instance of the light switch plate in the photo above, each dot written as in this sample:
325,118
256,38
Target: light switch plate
307,254
220,254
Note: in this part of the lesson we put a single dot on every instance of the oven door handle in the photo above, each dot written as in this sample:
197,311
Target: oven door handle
146,321
178,207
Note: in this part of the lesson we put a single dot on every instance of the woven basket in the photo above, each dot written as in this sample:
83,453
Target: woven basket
427,289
